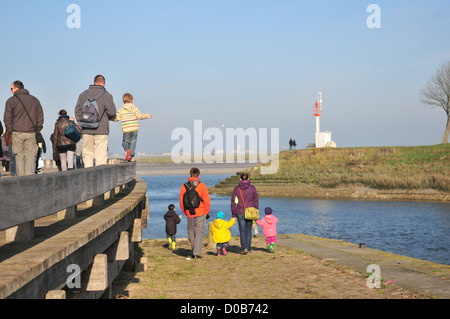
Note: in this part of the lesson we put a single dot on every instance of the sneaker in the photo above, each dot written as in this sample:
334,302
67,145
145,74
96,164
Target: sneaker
244,252
128,155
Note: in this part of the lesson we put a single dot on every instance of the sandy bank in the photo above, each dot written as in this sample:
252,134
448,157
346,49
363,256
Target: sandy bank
183,169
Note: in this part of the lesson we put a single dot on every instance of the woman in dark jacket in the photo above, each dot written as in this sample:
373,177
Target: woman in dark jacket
250,198
63,145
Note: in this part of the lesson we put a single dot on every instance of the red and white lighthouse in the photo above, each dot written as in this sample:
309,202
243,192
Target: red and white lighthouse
323,139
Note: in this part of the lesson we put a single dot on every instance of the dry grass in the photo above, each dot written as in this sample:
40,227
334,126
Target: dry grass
287,274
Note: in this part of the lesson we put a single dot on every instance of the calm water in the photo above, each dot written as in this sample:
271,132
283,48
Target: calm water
419,230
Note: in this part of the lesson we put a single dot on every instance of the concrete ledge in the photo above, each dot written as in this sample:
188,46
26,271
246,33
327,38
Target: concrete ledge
417,275
41,265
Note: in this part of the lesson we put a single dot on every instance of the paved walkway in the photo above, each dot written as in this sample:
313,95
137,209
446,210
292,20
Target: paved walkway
417,275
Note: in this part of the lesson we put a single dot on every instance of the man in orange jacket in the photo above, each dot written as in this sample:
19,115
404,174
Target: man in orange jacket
196,218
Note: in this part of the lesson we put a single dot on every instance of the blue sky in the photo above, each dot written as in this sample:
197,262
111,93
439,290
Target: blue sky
252,63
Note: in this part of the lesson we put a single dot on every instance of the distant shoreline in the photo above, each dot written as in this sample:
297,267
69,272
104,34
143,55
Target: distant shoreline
183,169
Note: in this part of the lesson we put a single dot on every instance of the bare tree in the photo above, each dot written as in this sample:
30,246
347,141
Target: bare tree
437,93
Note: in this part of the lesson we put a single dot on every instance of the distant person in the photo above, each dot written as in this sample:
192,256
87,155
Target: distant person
95,140
23,117
195,203
269,226
130,115
172,219
63,145
244,192
221,233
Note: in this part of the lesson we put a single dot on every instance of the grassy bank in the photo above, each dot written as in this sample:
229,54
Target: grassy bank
399,169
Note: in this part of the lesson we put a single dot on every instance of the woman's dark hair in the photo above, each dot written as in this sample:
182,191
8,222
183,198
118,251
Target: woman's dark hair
244,176
63,112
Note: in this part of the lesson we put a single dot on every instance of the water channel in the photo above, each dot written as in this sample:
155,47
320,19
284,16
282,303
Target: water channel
414,229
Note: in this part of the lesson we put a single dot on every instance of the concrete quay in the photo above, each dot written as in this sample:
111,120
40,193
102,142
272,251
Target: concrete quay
417,275
98,240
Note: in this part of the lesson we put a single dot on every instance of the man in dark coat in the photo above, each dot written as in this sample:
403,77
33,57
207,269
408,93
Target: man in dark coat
23,117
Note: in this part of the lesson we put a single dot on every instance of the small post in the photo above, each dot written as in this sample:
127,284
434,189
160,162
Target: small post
210,236
142,265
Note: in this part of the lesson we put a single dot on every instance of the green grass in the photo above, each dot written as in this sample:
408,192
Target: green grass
418,167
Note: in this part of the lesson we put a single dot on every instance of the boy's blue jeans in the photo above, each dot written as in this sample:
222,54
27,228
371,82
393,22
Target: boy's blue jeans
129,142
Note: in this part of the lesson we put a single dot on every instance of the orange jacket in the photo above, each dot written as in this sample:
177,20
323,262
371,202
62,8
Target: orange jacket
201,189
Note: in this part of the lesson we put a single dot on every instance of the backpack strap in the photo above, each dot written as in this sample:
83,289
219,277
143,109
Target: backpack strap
189,186
98,96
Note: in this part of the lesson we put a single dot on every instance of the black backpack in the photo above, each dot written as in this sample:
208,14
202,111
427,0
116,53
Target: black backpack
191,199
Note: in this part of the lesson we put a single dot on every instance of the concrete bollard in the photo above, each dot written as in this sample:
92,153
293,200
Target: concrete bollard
210,235
136,235
123,248
68,213
56,294
20,233
98,279
142,265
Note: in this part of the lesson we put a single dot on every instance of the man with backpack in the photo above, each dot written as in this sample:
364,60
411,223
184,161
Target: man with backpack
95,108
195,203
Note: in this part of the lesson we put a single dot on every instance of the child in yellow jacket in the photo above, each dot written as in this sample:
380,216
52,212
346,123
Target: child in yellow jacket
221,233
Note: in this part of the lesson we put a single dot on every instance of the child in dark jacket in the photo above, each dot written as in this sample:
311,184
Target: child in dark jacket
172,219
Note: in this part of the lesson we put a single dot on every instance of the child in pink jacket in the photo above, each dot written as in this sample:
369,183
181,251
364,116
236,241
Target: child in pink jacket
269,226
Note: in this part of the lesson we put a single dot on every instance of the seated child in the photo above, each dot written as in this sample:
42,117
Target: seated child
269,226
172,219
221,233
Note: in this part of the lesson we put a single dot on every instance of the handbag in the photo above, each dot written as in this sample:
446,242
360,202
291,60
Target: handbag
39,137
251,213
72,132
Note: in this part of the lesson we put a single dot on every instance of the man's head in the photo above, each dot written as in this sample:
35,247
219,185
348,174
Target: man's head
195,172
99,80
16,85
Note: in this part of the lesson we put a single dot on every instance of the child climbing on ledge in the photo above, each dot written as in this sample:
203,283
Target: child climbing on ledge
269,226
130,115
